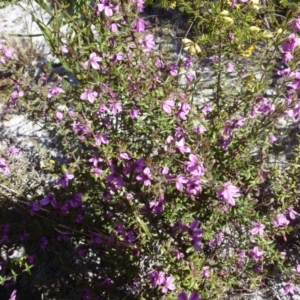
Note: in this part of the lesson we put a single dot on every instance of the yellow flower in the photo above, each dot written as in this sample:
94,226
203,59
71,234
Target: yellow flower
267,34
254,29
248,51
228,20
173,5
224,13
190,46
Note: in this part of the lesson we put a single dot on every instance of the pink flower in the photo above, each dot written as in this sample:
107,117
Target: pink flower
168,285
298,268
256,253
258,228
228,193
181,147
291,43
230,68
113,26
291,212
157,278
93,61
148,42
280,220
139,25
106,7
89,94
167,106
205,272
296,24
64,49
289,289
146,177
195,167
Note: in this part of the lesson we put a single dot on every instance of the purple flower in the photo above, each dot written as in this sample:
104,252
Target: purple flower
106,7
291,212
228,193
139,5
181,147
157,278
89,94
64,180
167,106
113,26
298,268
64,49
3,166
54,91
146,177
296,24
194,233
147,42
180,179
139,25
258,228
184,296
280,220
13,295
134,113
289,289
205,272
193,186
49,199
195,167
101,139
93,61
256,253
12,150
230,67
44,243
291,43
34,206
168,285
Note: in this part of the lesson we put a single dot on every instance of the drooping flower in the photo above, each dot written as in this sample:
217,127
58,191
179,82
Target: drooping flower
228,193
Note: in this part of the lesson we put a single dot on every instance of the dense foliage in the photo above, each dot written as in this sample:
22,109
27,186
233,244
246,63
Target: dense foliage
168,183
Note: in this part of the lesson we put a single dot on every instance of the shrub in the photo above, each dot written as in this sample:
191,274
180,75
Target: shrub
169,184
